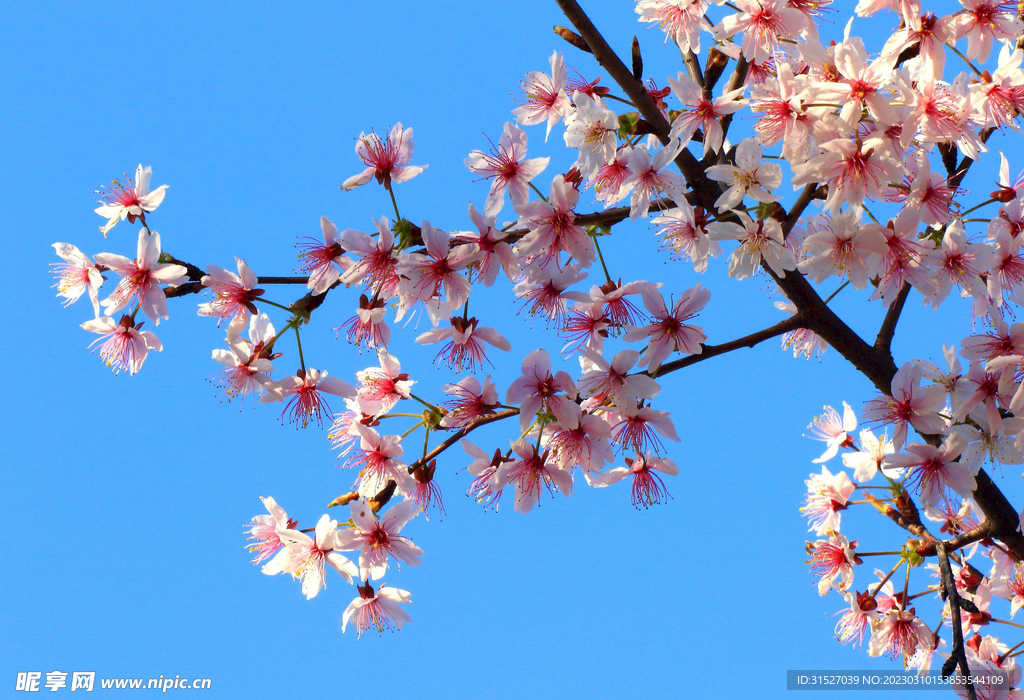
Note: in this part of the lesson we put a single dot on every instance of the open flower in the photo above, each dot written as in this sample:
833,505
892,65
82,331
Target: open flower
141,278
531,471
76,276
304,392
129,200
648,487
749,177
387,160
508,169
464,348
265,533
668,332
545,97
233,296
380,609
377,540
306,556
124,346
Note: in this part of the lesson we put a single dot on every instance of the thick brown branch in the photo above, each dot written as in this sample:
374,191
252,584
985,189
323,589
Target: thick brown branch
636,91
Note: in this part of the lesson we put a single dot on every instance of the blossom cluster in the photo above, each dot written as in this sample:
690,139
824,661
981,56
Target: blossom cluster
878,142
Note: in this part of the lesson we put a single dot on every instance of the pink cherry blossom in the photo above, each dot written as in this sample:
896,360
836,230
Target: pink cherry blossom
763,23
538,389
377,460
681,20
495,251
761,242
307,556
832,561
899,634
701,113
233,296
386,160
247,363
76,276
827,494
380,609
324,261
530,472
508,167
552,227
304,392
834,431
386,385
377,264
438,268
648,487
123,345
471,400
265,531
668,331
612,381
908,404
652,178
463,349
933,470
377,540
129,200
545,98
141,278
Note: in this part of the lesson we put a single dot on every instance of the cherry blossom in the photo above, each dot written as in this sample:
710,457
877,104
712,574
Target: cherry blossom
129,200
649,178
123,346
908,404
386,160
324,261
376,458
464,349
378,539
266,531
233,296
538,388
546,101
76,276
702,113
827,494
761,242
899,633
508,167
379,609
832,561
681,20
386,385
763,23
304,395
841,245
834,431
247,363
592,130
530,472
472,400
648,487
668,332
749,177
306,557
932,470
141,278
553,228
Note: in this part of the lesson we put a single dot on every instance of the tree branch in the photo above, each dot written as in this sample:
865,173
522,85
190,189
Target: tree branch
958,654
461,433
883,341
748,341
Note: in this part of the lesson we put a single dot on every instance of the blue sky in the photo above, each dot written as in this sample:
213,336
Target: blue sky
127,496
